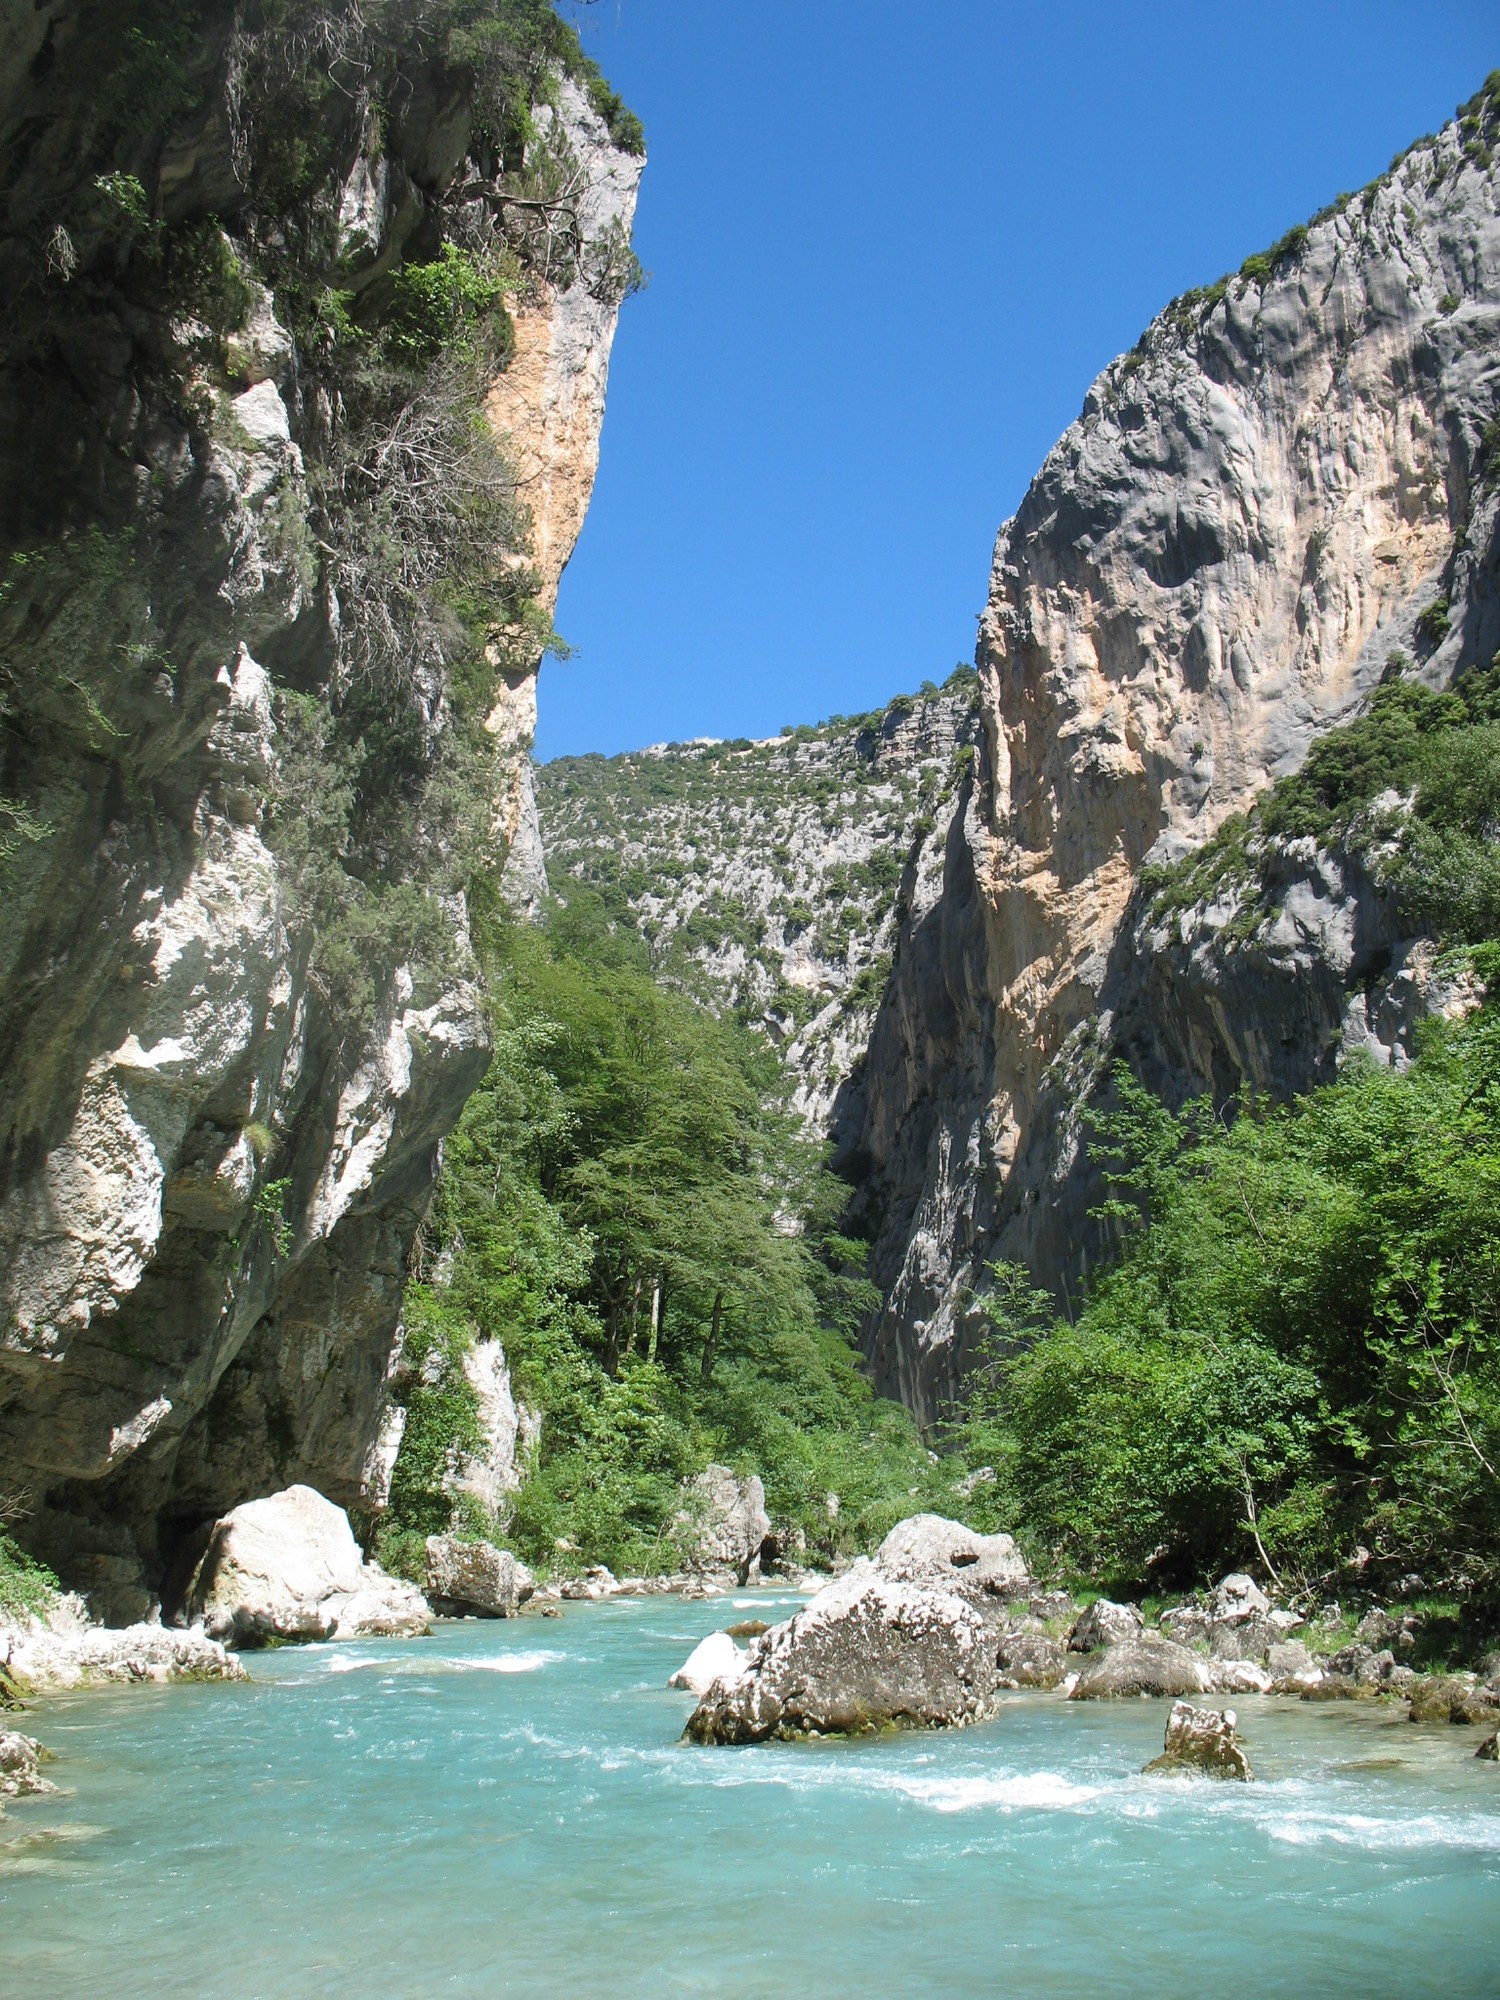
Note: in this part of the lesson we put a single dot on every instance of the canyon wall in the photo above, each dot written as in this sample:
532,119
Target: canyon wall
1284,494
1219,560
238,999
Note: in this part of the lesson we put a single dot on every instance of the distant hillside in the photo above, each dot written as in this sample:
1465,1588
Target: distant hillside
772,876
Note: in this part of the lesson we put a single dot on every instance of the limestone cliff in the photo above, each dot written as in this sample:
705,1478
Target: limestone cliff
775,875
263,584
1280,490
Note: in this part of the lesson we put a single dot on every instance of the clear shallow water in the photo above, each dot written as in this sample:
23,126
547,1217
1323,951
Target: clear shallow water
505,1809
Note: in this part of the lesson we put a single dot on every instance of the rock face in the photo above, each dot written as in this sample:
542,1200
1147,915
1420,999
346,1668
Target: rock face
511,1432
212,1168
868,1652
1203,1739
476,1577
781,868
1215,563
722,1522
289,1568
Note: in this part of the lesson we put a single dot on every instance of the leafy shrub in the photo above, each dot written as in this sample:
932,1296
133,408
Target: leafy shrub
26,1586
1298,1351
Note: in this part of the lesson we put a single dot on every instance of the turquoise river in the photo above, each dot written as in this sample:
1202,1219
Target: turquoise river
507,1809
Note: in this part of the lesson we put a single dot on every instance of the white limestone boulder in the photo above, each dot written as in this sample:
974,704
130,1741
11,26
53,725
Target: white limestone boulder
475,1576
63,1648
868,1652
1203,1741
716,1658
1147,1665
1105,1624
721,1521
20,1762
288,1568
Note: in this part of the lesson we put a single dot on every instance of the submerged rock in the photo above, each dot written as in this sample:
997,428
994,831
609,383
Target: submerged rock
722,1521
940,1554
288,1567
1489,1750
1105,1624
869,1651
1452,1698
1203,1739
475,1576
716,1658
1146,1665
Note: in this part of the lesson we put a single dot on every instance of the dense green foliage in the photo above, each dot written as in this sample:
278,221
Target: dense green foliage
25,1584
627,1208
1298,1353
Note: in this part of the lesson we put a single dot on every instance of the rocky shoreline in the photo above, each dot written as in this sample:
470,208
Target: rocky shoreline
935,1630
941,1624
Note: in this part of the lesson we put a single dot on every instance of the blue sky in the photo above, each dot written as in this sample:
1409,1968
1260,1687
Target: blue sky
891,243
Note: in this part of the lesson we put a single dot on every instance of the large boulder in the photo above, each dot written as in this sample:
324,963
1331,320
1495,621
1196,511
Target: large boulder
475,1576
287,1568
1291,1666
1186,1624
721,1521
716,1658
1202,1739
1145,1665
869,1651
1243,1639
1031,1659
1105,1624
939,1554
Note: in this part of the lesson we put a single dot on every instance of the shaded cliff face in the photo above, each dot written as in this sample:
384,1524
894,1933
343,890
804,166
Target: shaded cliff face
256,287
1278,491
774,875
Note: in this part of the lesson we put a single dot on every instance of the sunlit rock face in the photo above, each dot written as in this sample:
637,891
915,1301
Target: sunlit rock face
1215,564
208,1193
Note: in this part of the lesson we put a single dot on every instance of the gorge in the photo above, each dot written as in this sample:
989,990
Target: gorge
971,1181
